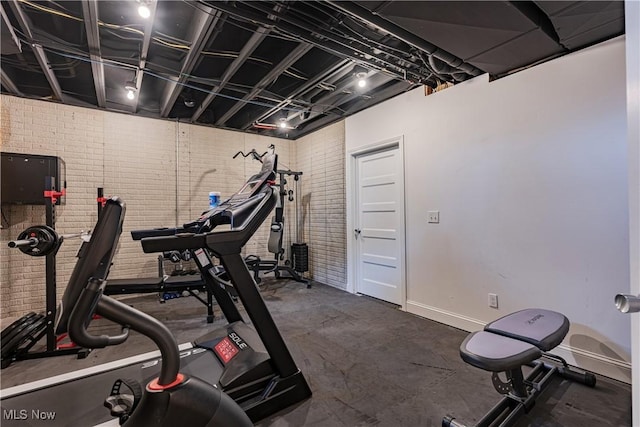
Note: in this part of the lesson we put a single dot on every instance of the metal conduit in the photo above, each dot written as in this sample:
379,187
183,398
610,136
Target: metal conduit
356,11
328,45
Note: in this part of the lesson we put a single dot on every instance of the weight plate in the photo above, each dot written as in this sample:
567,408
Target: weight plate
47,240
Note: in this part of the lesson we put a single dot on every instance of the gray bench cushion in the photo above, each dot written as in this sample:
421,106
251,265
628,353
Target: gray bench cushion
496,353
543,328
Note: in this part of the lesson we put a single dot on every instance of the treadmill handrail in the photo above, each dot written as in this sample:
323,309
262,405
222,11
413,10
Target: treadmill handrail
248,215
153,232
177,242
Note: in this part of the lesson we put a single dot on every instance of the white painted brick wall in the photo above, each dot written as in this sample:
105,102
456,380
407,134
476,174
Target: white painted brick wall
135,158
320,156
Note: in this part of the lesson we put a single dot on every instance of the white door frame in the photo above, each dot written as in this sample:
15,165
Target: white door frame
632,29
352,213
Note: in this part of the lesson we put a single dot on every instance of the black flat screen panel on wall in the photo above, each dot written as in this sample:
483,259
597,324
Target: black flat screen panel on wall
24,177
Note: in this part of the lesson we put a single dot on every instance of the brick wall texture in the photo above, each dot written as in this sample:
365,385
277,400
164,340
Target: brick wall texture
164,172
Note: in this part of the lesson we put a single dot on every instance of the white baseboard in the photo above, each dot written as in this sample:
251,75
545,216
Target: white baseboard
583,359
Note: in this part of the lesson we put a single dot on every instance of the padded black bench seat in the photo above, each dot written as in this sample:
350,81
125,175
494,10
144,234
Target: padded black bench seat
192,284
543,328
154,284
514,340
496,353
134,286
190,280
505,346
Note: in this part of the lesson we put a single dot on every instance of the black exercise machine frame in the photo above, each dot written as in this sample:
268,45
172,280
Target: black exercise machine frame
51,349
255,263
289,385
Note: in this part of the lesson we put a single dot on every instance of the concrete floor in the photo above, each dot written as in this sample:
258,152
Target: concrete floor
367,363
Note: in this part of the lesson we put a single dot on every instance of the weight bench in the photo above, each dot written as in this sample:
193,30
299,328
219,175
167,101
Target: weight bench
165,286
506,345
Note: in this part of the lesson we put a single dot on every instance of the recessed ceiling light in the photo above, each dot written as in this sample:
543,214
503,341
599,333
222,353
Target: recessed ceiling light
130,87
362,79
144,11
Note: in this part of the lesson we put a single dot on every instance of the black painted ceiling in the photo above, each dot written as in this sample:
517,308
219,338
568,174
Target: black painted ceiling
254,65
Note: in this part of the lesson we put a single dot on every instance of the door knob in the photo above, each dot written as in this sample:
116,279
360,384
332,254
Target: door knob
627,303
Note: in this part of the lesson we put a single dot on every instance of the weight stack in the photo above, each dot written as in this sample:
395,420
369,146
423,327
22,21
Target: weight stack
300,255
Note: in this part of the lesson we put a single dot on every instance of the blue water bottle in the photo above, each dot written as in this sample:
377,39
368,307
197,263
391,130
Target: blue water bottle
214,199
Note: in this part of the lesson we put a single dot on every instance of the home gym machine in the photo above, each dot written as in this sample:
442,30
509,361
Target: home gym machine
40,178
253,367
298,263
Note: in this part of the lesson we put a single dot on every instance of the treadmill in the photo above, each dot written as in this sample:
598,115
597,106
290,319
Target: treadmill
253,366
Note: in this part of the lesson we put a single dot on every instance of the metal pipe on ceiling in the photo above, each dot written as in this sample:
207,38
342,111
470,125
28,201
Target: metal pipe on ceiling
251,45
395,88
358,12
327,45
339,40
288,61
326,102
310,84
326,84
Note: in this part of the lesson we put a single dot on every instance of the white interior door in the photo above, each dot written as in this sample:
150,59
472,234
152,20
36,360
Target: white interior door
379,225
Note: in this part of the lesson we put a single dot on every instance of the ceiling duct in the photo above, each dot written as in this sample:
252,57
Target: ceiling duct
358,12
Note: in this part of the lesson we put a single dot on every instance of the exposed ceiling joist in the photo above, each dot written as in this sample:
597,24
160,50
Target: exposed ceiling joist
9,84
207,22
7,24
363,14
90,13
403,43
38,51
144,50
329,44
393,90
342,66
346,88
290,59
244,54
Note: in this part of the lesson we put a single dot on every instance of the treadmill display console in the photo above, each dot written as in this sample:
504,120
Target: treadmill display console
229,346
226,350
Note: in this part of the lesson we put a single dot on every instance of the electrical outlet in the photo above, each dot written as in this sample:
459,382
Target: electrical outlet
433,217
493,300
